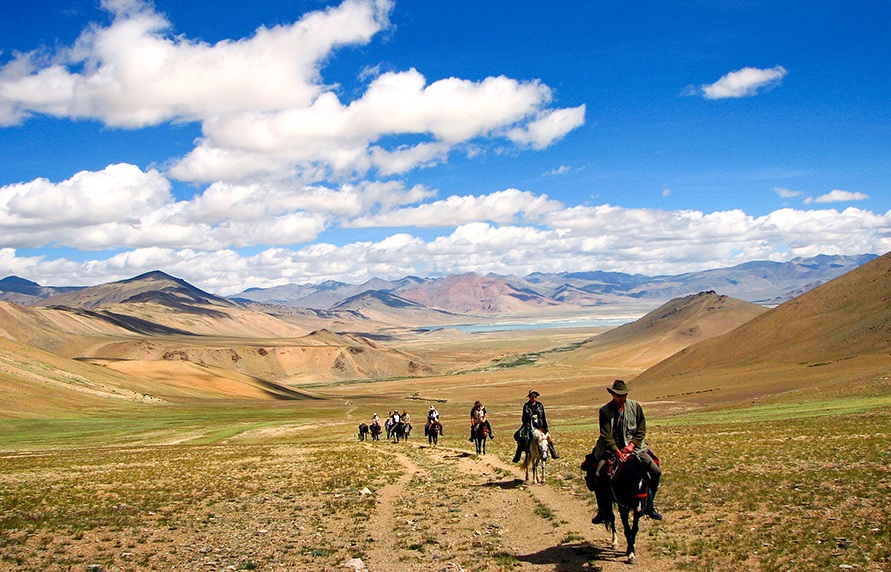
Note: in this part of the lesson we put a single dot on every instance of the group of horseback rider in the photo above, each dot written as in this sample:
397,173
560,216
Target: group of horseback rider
623,430
394,419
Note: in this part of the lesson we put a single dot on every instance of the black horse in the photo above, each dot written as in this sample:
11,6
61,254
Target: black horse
375,431
480,433
401,431
363,431
628,485
433,430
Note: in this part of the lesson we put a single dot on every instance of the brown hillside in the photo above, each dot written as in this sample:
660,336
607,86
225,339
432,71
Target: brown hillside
836,337
666,330
36,383
319,356
180,380
76,332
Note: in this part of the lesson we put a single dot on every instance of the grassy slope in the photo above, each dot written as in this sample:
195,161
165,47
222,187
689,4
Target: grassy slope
816,472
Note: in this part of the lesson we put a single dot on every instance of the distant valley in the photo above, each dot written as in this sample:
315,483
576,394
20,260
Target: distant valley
156,339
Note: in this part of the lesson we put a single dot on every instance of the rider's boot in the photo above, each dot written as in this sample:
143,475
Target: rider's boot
604,502
519,452
651,498
552,451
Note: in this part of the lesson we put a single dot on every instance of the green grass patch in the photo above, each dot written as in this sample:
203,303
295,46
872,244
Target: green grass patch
802,410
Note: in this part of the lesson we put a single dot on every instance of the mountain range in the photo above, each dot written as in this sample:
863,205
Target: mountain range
763,282
157,339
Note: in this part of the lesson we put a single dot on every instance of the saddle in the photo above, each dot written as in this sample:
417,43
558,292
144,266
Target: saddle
611,468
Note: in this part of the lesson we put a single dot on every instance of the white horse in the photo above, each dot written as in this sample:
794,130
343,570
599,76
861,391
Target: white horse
536,456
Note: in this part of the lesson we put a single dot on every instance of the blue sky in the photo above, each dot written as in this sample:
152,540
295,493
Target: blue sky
252,144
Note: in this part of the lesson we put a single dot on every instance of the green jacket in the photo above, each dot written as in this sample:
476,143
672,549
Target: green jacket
634,431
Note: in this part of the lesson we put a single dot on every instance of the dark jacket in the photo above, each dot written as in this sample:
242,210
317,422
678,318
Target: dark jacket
634,429
534,415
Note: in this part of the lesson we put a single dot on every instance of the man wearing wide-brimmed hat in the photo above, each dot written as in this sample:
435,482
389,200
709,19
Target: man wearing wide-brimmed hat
533,418
623,428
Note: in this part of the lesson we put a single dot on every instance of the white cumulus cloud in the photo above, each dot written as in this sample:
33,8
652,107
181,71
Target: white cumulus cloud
744,82
603,237
134,72
838,196
262,102
506,206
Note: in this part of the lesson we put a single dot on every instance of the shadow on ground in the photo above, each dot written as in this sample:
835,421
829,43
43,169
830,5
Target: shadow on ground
577,557
504,485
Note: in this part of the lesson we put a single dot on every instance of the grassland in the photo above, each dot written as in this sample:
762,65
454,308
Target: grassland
803,487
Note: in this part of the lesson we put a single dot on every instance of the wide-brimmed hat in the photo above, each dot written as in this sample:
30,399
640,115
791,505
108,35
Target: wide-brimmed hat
618,388
533,393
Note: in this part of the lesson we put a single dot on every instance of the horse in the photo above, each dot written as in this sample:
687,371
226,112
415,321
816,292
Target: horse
363,431
375,431
401,431
536,456
480,435
629,486
433,430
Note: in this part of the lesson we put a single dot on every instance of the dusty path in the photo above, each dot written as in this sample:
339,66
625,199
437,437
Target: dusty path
451,510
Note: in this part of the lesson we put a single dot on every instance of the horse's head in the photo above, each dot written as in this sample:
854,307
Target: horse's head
540,440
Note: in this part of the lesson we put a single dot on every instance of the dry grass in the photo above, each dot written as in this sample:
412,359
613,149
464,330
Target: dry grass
149,508
807,491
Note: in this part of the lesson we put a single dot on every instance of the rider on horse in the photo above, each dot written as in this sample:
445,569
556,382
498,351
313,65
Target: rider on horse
623,428
533,418
432,417
477,416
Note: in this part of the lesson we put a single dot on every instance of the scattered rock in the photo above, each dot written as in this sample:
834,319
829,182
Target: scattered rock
356,564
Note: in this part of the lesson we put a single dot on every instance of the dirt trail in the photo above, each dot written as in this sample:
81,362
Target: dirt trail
455,511
380,524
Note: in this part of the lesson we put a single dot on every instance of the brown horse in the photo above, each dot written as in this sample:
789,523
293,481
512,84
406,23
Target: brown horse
433,430
480,435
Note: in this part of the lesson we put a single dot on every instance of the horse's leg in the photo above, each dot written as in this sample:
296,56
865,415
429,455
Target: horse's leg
611,526
634,527
631,528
